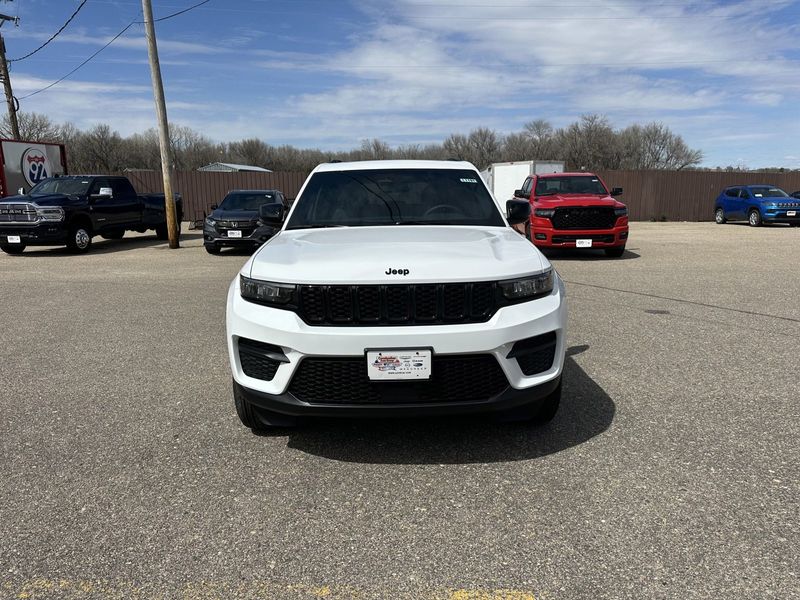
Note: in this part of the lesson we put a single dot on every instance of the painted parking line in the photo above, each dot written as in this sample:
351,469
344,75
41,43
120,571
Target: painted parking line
42,588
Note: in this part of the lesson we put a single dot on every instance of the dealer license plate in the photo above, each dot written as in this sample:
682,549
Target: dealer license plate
234,233
791,213
398,365
14,239
583,243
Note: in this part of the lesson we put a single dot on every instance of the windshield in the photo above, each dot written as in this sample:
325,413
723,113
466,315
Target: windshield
62,185
575,184
395,197
768,192
247,200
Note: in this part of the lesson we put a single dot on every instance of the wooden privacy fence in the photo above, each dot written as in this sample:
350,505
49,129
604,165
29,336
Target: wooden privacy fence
202,189
684,195
650,195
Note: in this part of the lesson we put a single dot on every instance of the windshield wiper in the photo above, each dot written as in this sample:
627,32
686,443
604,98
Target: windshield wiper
316,226
440,222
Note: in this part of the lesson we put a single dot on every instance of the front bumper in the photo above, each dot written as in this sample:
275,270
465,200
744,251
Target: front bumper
43,234
544,235
215,237
298,341
781,215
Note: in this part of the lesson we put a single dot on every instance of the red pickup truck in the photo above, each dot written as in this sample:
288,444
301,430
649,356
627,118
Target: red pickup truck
575,210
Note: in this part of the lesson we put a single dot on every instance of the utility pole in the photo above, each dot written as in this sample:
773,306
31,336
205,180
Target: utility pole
10,100
163,126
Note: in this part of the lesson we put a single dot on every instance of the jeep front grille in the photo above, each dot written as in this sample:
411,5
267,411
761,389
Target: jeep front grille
421,304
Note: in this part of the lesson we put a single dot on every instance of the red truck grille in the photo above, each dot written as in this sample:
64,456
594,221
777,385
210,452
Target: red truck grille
580,217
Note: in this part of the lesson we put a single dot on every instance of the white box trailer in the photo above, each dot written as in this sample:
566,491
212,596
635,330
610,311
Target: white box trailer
503,178
24,164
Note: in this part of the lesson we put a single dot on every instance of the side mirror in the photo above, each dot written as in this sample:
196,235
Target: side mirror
271,214
518,211
616,191
214,207
519,194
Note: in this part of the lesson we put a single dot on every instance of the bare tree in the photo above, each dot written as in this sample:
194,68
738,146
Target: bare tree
34,127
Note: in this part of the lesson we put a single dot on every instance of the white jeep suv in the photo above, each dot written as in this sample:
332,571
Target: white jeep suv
395,288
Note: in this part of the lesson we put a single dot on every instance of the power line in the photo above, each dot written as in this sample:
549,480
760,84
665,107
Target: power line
57,81
52,37
111,41
175,14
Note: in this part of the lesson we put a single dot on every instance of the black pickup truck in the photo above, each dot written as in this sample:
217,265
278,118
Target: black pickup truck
72,209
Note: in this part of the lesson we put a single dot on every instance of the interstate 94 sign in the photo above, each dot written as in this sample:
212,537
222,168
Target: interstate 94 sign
34,166
24,164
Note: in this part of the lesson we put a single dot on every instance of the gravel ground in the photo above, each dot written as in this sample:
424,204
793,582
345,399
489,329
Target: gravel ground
670,472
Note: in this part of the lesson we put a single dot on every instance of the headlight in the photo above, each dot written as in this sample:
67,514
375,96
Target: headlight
529,287
544,212
210,221
621,212
266,292
50,213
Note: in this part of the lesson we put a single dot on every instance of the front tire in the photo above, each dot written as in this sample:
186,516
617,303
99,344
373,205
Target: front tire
80,238
542,413
255,418
12,248
719,217
213,249
615,252
754,218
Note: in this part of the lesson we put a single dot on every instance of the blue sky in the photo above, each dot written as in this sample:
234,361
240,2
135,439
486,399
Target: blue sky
330,73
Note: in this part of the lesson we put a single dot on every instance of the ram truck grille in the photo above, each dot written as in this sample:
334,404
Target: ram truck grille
17,213
584,217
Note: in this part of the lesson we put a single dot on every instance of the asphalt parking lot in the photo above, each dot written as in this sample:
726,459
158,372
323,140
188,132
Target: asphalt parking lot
671,470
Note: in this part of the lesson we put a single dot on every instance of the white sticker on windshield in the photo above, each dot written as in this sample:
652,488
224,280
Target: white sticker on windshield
758,195
594,180
463,180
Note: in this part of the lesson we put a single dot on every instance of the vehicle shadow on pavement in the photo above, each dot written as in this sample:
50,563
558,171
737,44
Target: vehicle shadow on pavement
101,246
586,411
585,254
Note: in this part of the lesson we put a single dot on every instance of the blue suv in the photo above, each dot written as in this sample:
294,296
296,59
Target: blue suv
756,204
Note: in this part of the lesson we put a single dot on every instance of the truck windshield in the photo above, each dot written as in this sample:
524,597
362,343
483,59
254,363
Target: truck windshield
768,192
395,197
247,201
570,184
61,185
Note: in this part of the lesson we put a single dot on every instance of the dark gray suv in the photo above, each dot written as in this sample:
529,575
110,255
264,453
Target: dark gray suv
235,222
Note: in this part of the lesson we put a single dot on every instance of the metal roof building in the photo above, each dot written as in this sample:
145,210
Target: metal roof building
233,168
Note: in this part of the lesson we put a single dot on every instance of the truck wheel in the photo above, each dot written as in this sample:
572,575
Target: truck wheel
12,248
162,233
615,252
113,235
719,217
754,218
213,249
79,239
258,419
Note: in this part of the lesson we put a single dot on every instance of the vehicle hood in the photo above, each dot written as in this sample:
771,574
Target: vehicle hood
47,200
234,215
576,200
429,254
